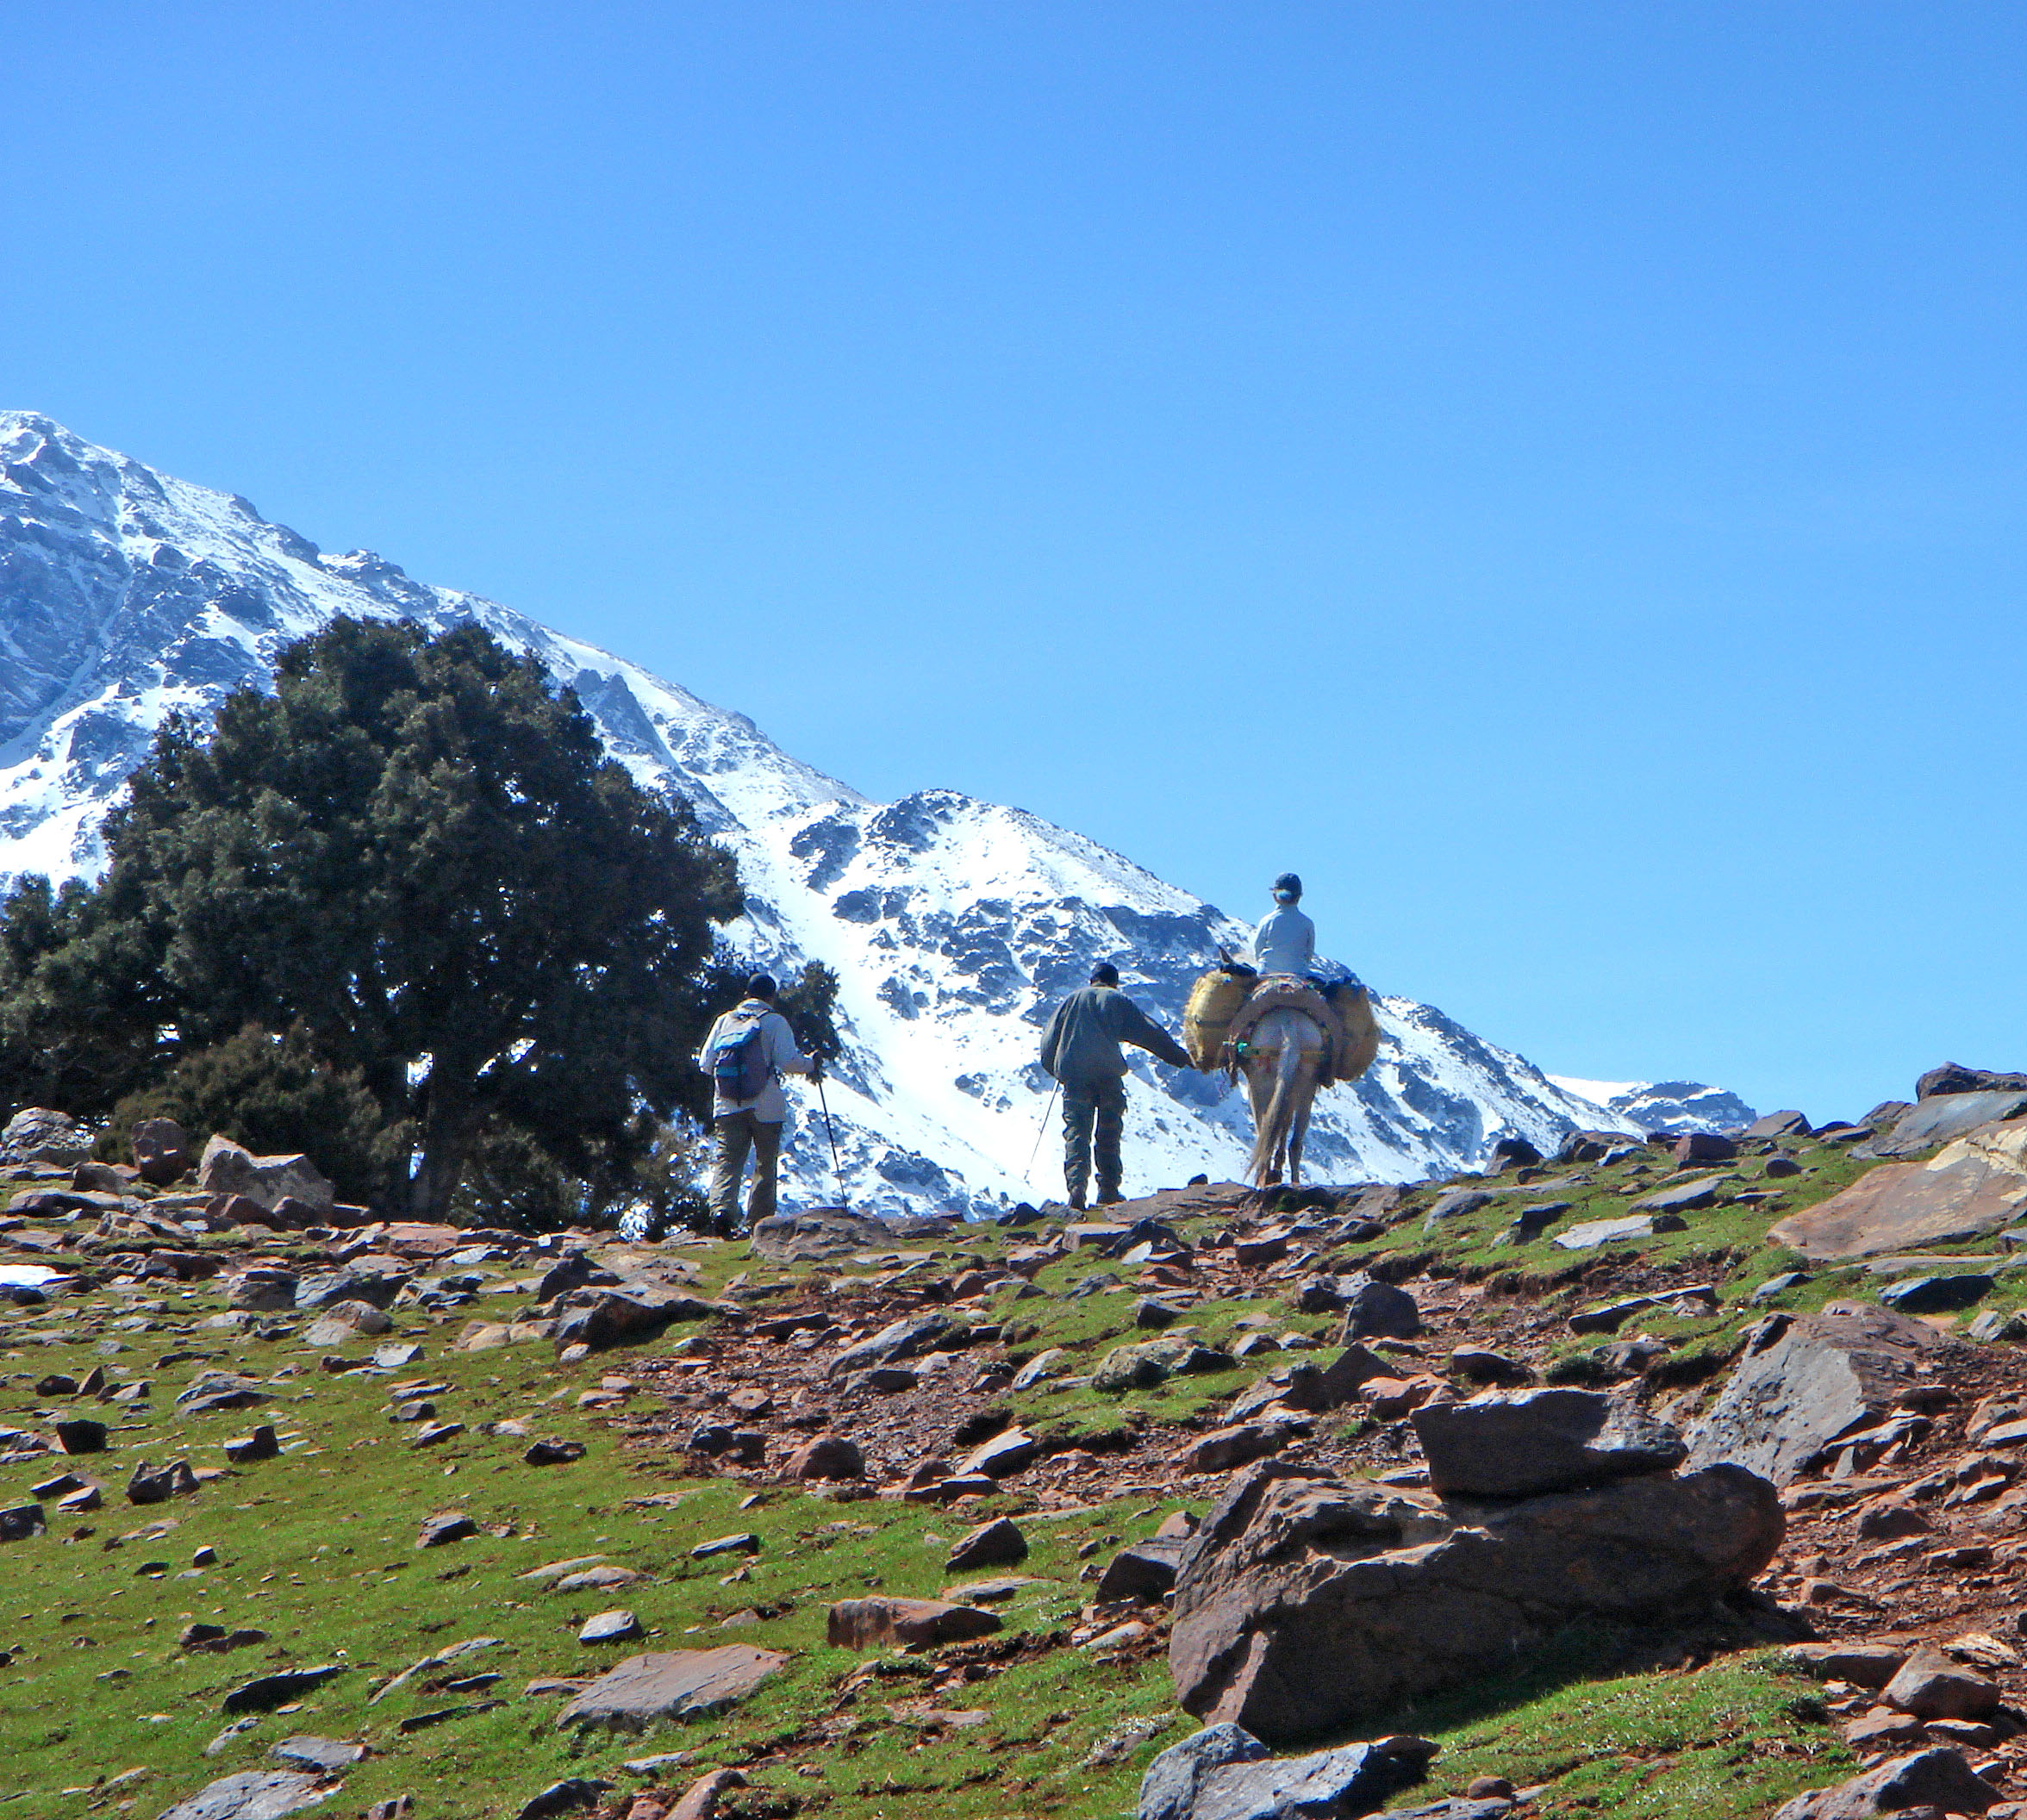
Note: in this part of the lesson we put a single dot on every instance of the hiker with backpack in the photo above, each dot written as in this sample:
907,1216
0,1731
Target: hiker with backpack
1081,1049
749,1050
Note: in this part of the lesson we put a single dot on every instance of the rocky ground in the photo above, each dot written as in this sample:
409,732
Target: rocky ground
297,1508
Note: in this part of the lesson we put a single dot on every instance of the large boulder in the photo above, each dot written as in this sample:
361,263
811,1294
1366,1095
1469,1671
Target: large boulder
1972,1186
1519,1444
40,1134
1225,1773
1807,1380
161,1151
1953,1077
232,1169
1310,1602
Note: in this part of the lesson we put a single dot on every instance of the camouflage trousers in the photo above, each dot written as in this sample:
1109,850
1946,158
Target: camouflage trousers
1093,1115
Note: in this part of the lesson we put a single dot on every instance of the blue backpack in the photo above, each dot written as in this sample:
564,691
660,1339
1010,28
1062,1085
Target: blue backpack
738,1062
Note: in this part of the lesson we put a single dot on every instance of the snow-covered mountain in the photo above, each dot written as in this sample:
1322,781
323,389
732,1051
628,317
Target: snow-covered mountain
954,925
1663,1106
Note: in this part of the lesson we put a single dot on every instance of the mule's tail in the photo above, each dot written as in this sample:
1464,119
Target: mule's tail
1279,1118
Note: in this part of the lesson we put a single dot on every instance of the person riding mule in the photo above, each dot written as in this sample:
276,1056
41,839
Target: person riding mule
1288,1027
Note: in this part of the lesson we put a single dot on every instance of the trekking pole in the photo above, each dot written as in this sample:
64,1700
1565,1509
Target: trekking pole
1028,1174
836,1170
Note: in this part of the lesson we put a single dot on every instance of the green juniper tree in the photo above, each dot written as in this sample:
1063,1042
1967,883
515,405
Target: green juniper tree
415,853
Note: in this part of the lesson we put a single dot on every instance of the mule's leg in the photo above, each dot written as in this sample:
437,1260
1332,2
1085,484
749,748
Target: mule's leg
1299,1129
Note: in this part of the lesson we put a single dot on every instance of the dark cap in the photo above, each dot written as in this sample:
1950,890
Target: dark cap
1105,974
761,985
1289,882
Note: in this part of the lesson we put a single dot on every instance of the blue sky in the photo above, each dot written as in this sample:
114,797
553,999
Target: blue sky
1552,474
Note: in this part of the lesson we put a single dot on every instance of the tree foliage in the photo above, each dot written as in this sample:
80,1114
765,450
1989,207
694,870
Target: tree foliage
416,854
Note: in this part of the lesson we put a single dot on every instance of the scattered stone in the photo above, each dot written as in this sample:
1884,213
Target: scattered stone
1687,1197
1806,1380
267,1692
912,1623
1224,1772
674,1685
161,1151
261,1444
1521,1443
1588,1235
21,1521
1936,1294
1143,1365
216,1639
932,1331
449,1526
1009,1451
323,1756
743,1544
1224,1448
1252,1254
1375,1310
1041,1366
213,1391
995,1544
1143,1570
437,1432
229,1169
700,1800
1779,1124
1779,1169
1704,1147
827,1457
1482,1366
554,1453
562,1797
1778,1285
1936,1781
156,1485
604,1579
617,1626
1931,1686
253,1794
79,1435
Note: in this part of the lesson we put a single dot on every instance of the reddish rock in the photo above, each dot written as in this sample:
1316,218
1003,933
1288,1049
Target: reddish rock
912,1623
1933,1686
995,1544
700,1800
828,1457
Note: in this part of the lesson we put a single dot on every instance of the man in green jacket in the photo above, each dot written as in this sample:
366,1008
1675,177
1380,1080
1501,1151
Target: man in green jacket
1081,1049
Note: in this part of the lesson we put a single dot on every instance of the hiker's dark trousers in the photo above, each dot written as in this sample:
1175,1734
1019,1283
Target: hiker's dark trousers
1093,1115
741,1135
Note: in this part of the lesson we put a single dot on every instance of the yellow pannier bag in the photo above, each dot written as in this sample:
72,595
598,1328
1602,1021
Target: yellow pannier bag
1354,1055
1214,1001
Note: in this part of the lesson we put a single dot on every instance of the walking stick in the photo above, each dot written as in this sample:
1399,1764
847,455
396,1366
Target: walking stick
1028,1174
837,1171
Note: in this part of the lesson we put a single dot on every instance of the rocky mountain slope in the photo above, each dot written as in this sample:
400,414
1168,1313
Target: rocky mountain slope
126,594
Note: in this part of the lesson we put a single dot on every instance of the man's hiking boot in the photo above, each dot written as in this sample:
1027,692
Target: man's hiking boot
1077,1203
